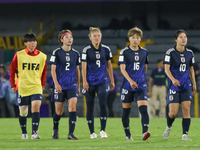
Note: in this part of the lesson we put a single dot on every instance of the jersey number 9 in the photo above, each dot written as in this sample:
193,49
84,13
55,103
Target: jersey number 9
98,63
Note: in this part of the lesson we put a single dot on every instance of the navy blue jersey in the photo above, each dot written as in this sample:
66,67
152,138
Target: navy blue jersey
66,62
180,63
96,63
135,62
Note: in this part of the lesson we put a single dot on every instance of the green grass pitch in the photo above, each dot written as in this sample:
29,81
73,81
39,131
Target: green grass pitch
10,136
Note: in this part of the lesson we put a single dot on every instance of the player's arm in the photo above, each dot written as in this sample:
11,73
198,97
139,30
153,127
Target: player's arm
169,74
44,75
150,86
13,68
54,76
110,73
84,69
192,77
133,84
78,77
145,67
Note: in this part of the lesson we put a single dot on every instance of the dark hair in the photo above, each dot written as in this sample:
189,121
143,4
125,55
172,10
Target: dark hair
176,34
62,33
2,66
159,60
29,37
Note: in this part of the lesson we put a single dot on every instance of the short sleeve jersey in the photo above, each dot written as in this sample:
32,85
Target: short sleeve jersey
66,62
180,63
135,67
159,76
96,63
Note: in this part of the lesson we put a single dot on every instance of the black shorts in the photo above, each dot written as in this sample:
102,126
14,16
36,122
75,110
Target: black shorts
26,100
65,95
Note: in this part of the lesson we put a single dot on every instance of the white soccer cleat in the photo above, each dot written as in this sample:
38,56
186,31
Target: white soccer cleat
129,138
167,133
35,136
103,134
186,138
93,136
25,136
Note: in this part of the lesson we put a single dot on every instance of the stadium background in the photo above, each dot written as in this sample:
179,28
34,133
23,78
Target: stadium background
157,18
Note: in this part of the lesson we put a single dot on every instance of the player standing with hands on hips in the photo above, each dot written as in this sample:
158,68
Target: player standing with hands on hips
65,72
179,63
32,69
96,63
133,61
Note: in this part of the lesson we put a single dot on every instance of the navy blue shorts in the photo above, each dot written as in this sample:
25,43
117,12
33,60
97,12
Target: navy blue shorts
100,89
179,96
130,96
65,95
26,100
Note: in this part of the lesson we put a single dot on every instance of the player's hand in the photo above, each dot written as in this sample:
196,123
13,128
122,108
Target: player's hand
194,90
176,83
133,84
14,89
150,94
112,86
58,88
43,88
85,86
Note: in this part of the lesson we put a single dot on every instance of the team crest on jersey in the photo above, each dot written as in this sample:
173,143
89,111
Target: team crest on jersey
67,58
136,58
19,100
122,97
182,59
98,56
171,97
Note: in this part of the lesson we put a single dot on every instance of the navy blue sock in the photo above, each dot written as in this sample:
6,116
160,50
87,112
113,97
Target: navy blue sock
56,120
35,121
22,122
103,112
125,120
145,118
72,122
90,116
186,125
170,121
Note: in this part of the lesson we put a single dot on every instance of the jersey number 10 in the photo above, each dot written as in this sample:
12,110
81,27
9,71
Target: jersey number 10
182,67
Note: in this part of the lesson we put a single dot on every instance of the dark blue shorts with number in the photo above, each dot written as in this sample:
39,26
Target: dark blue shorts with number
64,95
130,96
179,96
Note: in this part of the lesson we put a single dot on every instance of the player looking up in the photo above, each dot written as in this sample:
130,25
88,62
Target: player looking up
179,63
32,69
133,61
96,63
65,72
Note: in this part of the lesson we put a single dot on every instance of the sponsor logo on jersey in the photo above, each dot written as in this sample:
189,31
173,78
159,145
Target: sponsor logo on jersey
171,97
136,58
122,97
98,56
183,59
30,66
67,58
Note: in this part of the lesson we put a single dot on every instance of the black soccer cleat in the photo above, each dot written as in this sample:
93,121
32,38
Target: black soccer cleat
55,134
72,137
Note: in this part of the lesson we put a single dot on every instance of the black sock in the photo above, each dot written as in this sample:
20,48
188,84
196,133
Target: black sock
35,122
145,118
72,122
170,121
56,120
103,116
90,116
22,122
125,120
186,125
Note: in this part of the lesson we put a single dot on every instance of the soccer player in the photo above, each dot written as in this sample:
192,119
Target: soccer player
32,69
179,63
65,72
133,61
96,63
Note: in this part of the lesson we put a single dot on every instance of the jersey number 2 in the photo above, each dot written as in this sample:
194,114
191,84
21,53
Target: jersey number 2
67,66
